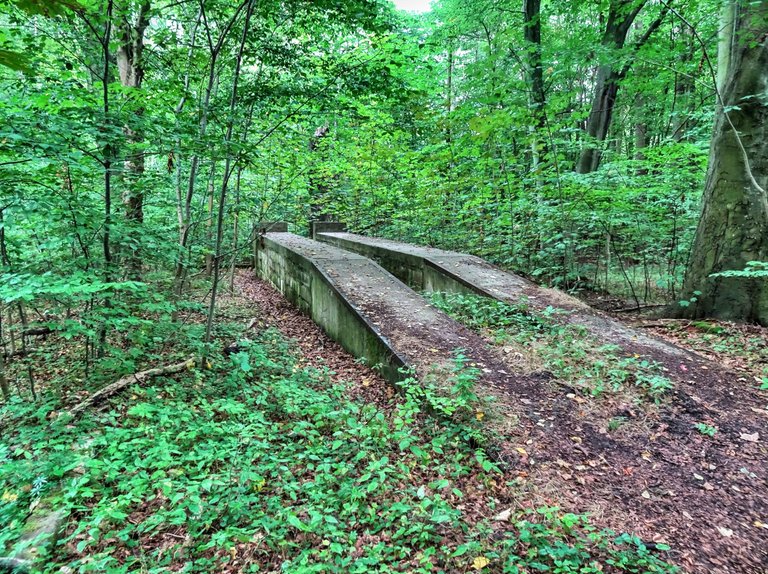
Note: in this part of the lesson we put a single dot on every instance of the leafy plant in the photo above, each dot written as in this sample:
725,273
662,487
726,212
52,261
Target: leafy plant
706,429
260,457
688,302
566,350
753,270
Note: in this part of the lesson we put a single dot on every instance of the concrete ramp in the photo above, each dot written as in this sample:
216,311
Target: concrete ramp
367,310
428,269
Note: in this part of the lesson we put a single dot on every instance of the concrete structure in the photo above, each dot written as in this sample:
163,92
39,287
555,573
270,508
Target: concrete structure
428,269
366,309
316,227
276,226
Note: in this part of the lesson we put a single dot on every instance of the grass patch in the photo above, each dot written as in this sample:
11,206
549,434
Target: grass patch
568,351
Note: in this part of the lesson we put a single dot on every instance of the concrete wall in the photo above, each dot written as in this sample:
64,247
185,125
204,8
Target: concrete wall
316,227
304,282
414,270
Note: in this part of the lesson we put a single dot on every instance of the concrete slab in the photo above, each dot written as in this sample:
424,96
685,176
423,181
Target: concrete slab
429,269
368,311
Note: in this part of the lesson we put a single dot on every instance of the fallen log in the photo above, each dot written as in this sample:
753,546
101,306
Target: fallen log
136,378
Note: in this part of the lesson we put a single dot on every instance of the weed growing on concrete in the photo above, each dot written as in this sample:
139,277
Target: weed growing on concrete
568,351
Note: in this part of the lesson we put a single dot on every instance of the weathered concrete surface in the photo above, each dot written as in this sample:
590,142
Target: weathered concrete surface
366,309
428,269
275,226
316,227
260,228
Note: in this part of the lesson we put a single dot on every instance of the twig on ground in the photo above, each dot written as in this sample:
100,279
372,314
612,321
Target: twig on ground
138,378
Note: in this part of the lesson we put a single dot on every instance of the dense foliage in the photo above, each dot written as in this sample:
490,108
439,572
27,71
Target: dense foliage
142,142
419,128
259,464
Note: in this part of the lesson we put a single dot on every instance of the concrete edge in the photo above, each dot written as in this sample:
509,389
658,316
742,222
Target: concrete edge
399,362
391,360
464,284
317,227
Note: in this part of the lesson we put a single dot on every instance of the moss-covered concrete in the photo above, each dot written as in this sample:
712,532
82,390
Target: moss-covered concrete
301,270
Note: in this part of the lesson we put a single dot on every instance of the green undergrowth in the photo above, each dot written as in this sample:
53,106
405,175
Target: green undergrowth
745,345
260,465
574,356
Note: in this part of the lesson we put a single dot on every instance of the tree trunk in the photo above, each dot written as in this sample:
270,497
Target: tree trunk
733,229
130,66
621,15
227,173
318,181
108,151
185,225
682,108
532,27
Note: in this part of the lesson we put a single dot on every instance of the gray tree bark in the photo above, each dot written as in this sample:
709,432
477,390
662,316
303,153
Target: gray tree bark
130,66
733,228
621,15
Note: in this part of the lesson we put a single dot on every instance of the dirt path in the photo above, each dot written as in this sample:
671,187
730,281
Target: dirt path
657,476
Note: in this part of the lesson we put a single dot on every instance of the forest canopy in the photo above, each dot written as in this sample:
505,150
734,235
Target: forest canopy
565,140
170,402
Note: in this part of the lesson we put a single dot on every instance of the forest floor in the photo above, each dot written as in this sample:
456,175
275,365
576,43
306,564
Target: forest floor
287,454
667,461
684,465
283,454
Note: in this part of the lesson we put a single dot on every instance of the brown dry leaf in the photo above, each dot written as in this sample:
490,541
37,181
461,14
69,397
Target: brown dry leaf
754,437
480,562
576,398
727,532
503,516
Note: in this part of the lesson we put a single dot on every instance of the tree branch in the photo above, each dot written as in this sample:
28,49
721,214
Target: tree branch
136,378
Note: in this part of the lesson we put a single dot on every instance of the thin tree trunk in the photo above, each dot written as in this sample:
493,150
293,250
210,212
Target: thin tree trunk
108,151
532,33
227,173
209,221
108,154
621,15
130,67
185,228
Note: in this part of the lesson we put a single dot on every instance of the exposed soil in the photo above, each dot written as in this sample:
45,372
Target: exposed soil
657,476
662,479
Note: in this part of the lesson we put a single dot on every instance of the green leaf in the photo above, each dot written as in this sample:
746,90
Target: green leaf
294,521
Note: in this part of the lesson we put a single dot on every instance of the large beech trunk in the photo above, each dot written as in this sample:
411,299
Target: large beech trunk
733,228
